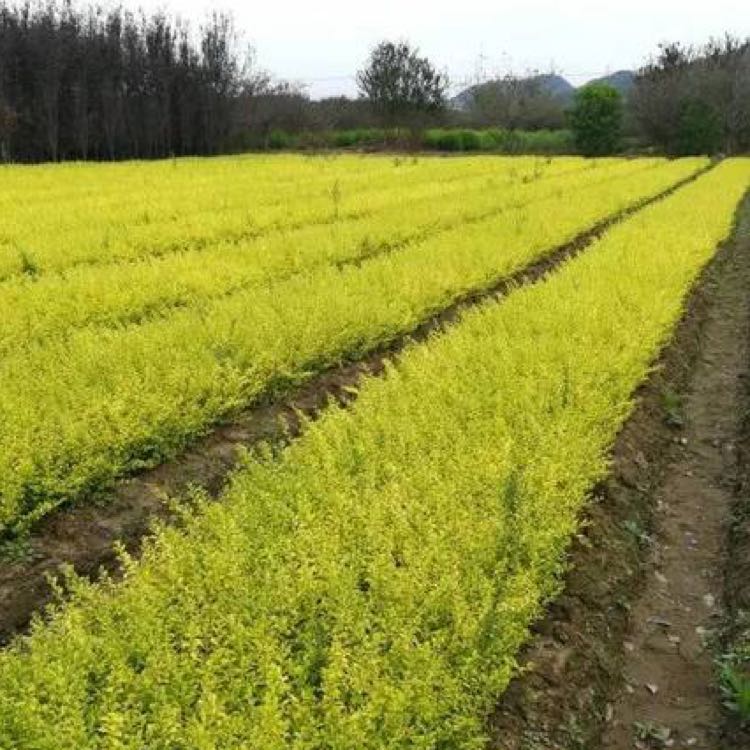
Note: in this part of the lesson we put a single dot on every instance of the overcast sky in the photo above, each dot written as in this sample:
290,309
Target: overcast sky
321,43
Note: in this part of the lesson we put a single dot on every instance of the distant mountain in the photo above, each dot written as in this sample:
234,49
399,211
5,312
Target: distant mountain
553,84
622,80
549,83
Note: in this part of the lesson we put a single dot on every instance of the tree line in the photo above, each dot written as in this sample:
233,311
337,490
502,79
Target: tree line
90,83
685,100
110,84
696,99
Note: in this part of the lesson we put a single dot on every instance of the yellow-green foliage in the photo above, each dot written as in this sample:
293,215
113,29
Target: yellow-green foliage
110,293
103,399
53,218
370,587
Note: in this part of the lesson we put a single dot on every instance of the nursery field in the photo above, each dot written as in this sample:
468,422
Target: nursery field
371,584
144,320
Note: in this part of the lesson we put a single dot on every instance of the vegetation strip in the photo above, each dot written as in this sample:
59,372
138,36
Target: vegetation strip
82,536
129,293
103,403
616,619
194,205
348,595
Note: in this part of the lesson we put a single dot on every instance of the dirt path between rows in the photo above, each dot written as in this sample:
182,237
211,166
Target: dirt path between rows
625,658
82,535
669,664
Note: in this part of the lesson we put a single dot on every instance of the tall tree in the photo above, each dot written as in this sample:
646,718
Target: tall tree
400,85
81,82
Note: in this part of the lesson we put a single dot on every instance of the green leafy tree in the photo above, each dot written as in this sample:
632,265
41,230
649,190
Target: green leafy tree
596,119
402,86
699,130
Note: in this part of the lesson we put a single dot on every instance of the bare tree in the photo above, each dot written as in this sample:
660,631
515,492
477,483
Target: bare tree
84,82
515,102
8,124
49,60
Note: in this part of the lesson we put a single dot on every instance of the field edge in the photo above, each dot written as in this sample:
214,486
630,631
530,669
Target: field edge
572,669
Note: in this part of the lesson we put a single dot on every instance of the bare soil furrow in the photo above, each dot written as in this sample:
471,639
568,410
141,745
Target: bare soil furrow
625,657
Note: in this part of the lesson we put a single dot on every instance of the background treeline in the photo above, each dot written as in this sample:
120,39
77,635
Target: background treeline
450,139
696,99
93,83
685,100
287,115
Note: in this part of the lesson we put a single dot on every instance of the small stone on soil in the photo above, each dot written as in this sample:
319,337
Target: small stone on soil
658,620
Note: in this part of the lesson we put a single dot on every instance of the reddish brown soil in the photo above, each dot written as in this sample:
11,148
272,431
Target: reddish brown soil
82,535
623,660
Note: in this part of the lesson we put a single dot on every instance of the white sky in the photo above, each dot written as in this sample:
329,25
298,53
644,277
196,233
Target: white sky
322,43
